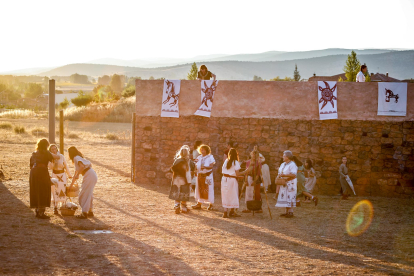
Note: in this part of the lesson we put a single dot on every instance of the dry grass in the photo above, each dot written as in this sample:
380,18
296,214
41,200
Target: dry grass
19,129
111,136
6,126
149,239
120,111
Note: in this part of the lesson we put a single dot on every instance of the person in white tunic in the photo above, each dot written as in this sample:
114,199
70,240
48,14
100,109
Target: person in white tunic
61,172
205,182
229,183
311,179
89,180
361,75
287,193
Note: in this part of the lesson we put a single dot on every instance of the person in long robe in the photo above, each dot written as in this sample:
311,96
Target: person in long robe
60,172
39,179
301,190
343,173
181,180
311,176
287,194
253,185
229,183
89,180
205,182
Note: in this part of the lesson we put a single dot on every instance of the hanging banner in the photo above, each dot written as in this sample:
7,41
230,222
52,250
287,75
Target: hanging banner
327,99
170,96
208,87
392,98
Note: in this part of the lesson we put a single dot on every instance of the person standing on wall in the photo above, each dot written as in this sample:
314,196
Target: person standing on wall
204,74
361,75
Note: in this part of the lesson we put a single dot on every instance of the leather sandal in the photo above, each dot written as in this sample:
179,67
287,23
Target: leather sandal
196,206
82,216
90,214
225,215
210,207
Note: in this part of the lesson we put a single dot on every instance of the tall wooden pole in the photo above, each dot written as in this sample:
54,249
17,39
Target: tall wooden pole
133,148
61,132
52,129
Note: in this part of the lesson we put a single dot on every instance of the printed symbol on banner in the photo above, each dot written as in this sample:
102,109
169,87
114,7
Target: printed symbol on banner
171,93
209,92
389,94
327,95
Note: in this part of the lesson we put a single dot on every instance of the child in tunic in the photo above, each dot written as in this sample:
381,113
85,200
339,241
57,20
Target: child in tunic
84,167
311,179
60,171
205,181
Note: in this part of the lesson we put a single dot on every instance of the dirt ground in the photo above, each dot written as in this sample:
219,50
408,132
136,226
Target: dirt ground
149,239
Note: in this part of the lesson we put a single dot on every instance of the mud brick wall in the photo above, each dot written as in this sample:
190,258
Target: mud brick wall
380,154
278,116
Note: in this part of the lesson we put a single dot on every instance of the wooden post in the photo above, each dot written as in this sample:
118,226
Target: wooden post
52,130
133,148
61,132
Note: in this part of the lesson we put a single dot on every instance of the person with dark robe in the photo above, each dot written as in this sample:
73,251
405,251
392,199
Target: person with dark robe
254,166
39,179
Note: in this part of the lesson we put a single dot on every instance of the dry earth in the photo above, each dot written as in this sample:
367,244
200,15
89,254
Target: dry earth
149,239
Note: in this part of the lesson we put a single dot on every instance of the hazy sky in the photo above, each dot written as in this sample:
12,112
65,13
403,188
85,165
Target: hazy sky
51,33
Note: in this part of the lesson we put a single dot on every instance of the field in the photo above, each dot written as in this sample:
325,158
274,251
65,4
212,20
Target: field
149,239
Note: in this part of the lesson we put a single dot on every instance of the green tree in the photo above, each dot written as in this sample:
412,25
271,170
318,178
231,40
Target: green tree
64,104
352,67
82,99
76,78
192,75
131,81
129,91
151,78
33,90
296,75
257,78
340,79
104,80
116,83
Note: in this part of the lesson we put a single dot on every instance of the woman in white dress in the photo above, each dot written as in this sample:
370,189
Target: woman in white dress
89,180
311,179
229,183
205,182
287,193
60,171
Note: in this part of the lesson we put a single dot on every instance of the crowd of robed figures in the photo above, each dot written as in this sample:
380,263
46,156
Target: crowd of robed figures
193,171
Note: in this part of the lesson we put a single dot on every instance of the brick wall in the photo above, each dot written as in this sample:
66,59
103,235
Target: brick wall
380,153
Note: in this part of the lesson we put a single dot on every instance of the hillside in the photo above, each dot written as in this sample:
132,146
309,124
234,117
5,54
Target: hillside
399,64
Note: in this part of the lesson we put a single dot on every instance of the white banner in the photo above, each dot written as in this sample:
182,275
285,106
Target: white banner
392,98
327,99
170,95
208,87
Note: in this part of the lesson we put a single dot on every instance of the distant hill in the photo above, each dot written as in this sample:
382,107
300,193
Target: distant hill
266,56
399,64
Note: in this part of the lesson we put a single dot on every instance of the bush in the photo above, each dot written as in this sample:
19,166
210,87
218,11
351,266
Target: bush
40,132
19,129
6,126
111,136
64,104
82,99
73,136
129,91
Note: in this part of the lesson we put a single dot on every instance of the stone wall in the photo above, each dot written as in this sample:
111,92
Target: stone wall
379,150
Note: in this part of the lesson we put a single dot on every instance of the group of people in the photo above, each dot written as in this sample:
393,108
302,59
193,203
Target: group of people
193,171
44,186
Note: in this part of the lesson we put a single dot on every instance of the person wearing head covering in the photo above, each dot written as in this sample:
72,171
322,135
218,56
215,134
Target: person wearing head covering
180,184
39,180
205,182
287,193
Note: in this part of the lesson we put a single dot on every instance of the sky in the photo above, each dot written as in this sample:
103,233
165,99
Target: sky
55,33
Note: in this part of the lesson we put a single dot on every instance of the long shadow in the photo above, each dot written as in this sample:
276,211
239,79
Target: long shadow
312,249
32,246
118,171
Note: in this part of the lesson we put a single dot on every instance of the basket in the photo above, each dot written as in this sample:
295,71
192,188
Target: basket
67,211
74,192
254,205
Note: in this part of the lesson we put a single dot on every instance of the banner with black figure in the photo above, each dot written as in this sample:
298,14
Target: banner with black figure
170,96
208,87
327,100
392,99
